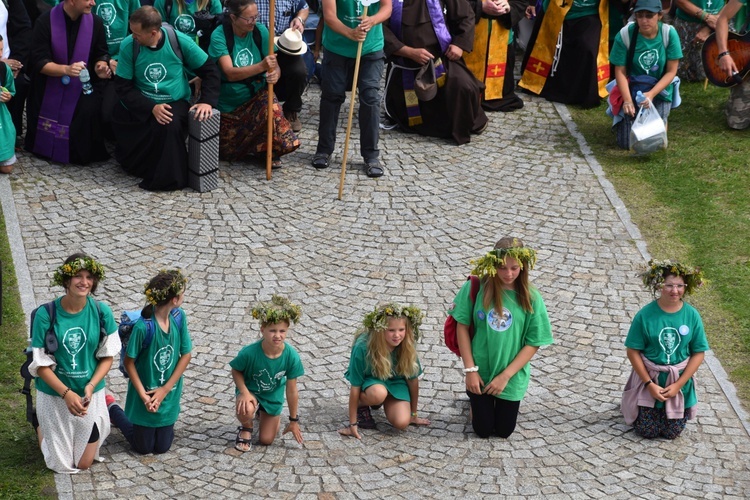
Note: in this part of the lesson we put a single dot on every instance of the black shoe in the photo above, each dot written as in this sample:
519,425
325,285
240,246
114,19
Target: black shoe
320,160
364,418
373,168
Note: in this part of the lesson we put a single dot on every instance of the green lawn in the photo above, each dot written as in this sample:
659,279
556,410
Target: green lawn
22,470
692,202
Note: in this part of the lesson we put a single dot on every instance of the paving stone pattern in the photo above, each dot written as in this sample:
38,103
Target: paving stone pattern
408,237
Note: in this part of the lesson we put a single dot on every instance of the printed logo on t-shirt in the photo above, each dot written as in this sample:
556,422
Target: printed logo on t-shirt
266,382
108,13
163,361
584,3
649,61
155,73
185,23
498,323
684,330
669,340
243,58
73,341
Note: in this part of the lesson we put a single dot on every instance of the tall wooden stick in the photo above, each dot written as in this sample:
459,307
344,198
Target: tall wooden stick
269,142
352,100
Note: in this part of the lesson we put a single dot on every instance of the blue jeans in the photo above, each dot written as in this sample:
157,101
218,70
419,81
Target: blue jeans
143,440
337,71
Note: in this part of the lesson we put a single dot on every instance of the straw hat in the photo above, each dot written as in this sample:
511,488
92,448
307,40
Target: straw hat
290,42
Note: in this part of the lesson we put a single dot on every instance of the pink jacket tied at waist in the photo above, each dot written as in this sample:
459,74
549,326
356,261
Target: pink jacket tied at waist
636,393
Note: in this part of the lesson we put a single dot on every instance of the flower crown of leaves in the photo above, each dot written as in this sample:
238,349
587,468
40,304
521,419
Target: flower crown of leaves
377,320
74,267
653,277
176,285
277,310
488,264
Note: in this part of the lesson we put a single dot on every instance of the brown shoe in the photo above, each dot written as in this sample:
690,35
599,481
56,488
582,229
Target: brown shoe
294,120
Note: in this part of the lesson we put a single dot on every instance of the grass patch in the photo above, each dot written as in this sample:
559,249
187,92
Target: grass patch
23,473
691,202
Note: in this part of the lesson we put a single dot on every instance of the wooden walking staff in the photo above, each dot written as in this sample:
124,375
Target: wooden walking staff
270,113
365,4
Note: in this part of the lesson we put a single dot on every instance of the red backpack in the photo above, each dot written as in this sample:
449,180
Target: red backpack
449,330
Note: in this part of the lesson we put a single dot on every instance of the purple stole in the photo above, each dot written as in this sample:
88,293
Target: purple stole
59,102
444,39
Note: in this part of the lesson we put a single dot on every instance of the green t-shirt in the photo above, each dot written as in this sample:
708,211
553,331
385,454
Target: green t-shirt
7,129
158,73
265,377
650,56
182,19
245,53
115,15
668,339
498,340
348,13
155,365
580,8
359,373
708,6
78,340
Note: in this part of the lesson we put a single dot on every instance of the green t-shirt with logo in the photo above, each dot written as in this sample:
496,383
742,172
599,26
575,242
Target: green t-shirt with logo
580,8
499,338
115,15
348,12
158,73
182,19
707,6
155,365
668,339
245,53
265,377
650,56
77,339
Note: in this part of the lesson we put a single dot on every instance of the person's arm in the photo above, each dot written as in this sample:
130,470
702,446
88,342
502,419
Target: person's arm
474,382
413,385
292,397
102,368
298,23
135,379
460,21
634,356
158,394
19,36
383,14
236,74
497,385
621,77
352,429
726,62
693,364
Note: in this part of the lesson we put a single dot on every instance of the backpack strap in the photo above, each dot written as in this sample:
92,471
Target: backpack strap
50,339
631,48
102,327
473,292
665,35
176,313
171,36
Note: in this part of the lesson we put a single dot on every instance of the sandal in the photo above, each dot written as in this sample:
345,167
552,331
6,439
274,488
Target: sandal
364,418
320,160
373,168
243,441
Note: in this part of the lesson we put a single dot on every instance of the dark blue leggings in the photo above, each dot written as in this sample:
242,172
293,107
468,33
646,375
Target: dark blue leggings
142,439
491,415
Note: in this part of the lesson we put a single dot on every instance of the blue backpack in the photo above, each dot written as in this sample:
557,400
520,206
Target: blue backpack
128,319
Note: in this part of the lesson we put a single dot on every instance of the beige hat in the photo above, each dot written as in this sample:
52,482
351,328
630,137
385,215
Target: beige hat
290,42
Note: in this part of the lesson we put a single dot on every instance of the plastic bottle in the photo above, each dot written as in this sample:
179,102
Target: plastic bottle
86,81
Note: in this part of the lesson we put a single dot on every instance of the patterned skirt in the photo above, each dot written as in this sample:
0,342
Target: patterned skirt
243,132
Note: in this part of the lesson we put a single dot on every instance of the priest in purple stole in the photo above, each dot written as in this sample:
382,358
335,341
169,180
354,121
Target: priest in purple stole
64,123
442,30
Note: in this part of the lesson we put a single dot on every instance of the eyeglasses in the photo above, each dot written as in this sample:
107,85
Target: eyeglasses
645,13
681,286
250,19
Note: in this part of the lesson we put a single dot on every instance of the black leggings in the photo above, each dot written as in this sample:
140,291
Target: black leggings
491,415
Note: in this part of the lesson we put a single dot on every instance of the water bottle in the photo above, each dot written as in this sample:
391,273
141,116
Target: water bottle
86,81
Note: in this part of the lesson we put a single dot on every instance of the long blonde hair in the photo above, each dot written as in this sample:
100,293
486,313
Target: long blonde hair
182,7
379,356
493,285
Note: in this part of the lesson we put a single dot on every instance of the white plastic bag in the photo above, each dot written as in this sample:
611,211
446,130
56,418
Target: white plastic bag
648,133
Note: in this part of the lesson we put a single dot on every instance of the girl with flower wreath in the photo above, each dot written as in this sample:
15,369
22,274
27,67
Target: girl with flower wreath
510,324
383,369
665,345
155,368
71,415
263,371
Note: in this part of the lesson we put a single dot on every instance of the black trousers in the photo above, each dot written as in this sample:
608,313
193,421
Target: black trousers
491,415
292,83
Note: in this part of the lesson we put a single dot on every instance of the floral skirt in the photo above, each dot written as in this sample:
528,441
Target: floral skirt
691,64
243,132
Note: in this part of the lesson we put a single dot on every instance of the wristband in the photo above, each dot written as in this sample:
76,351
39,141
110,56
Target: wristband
293,419
722,54
413,414
301,20
471,369
355,424
646,384
67,390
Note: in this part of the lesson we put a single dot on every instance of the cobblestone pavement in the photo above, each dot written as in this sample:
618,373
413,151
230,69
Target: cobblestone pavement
407,236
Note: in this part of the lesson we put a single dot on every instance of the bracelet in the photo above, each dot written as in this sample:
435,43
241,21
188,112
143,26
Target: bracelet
67,390
471,369
627,103
722,54
301,20
90,384
413,414
355,424
293,419
645,384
